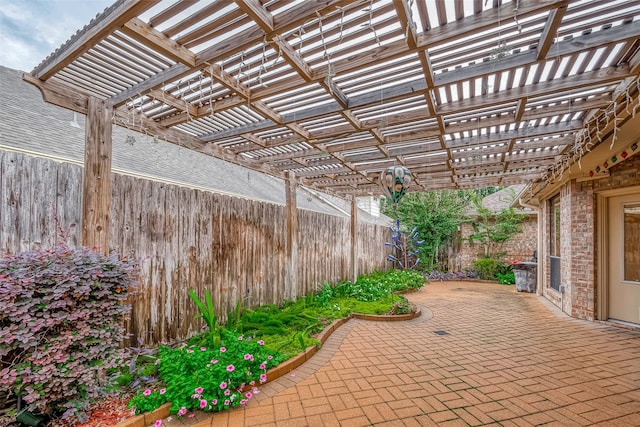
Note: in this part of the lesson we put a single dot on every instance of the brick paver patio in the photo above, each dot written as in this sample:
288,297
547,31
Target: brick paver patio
481,354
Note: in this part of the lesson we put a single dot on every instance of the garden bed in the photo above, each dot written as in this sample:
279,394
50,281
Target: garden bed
224,366
283,368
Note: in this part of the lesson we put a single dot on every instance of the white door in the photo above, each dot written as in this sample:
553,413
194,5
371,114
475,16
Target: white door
624,258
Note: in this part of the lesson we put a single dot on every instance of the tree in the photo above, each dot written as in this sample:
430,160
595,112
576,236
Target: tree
435,215
492,229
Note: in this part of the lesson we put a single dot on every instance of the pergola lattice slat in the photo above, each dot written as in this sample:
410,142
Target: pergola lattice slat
339,89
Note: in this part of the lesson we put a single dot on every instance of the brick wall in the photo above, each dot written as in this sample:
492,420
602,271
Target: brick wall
582,260
519,247
578,238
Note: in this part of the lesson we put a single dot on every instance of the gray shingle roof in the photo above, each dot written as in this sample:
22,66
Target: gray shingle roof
30,125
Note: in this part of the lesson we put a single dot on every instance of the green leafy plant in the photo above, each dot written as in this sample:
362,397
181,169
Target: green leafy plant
435,216
505,274
207,313
54,347
197,375
491,230
486,268
208,378
508,278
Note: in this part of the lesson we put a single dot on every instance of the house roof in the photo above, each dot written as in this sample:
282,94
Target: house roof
505,198
29,125
465,93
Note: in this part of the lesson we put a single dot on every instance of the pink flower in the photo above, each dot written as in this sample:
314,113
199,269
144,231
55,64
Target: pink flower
223,385
227,403
147,392
223,349
293,374
248,395
269,357
163,391
243,402
252,383
240,338
199,390
191,415
214,402
214,361
189,351
158,423
203,348
263,365
248,357
261,342
230,368
182,411
263,378
203,404
255,390
227,392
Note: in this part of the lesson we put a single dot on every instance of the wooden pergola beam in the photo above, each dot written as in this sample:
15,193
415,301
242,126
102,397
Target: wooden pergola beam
550,29
592,78
116,15
147,35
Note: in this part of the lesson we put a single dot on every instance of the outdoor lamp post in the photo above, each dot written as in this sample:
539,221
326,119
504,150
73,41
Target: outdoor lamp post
395,181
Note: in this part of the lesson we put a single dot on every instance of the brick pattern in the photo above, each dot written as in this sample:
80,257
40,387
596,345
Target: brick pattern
582,268
509,359
519,247
578,238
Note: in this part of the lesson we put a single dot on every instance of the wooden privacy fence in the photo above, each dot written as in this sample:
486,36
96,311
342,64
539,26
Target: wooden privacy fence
186,238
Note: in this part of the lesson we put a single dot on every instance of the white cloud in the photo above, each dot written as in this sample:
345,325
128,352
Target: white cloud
33,29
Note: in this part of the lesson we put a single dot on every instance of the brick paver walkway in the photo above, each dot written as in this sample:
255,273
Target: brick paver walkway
481,354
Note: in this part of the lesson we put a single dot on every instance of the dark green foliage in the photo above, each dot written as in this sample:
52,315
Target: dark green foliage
492,269
486,268
505,274
271,334
506,278
195,376
435,215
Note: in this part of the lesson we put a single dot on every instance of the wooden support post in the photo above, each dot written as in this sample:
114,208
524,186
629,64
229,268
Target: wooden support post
354,238
542,266
96,189
291,274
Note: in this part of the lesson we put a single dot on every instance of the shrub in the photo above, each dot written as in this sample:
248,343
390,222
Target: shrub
486,268
61,323
373,286
505,274
508,278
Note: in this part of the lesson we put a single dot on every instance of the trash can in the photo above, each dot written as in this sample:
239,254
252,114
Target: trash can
526,276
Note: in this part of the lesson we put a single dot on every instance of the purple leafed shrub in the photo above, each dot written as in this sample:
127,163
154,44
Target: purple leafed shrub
61,324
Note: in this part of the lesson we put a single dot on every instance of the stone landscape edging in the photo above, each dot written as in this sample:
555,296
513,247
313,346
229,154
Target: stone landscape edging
148,418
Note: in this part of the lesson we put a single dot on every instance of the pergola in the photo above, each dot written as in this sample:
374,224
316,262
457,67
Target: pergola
465,93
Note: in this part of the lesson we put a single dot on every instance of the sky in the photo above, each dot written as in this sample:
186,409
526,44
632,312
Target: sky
30,30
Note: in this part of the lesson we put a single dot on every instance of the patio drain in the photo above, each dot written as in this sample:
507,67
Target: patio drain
441,332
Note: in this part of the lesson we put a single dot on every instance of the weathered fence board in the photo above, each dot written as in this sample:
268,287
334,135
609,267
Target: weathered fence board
184,238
